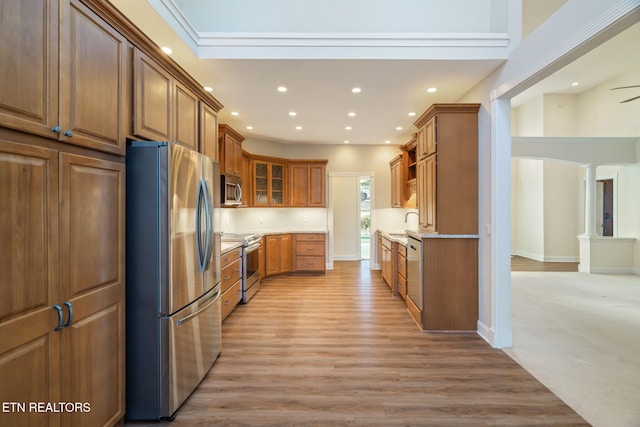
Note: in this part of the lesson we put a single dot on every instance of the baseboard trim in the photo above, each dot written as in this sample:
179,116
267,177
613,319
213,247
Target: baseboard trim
485,332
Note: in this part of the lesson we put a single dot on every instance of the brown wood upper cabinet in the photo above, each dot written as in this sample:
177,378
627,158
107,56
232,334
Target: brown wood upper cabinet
403,176
208,131
165,109
448,172
230,150
307,183
269,182
397,181
64,74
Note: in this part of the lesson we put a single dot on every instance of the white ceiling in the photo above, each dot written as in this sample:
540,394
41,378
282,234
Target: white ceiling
319,90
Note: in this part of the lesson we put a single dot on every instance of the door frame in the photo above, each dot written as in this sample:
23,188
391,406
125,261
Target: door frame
614,178
371,175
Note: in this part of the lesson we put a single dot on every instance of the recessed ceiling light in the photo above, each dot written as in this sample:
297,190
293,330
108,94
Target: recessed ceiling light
574,84
399,128
346,142
292,113
250,127
282,89
432,89
352,114
208,88
166,50
348,127
356,90
411,114
387,142
234,113
298,127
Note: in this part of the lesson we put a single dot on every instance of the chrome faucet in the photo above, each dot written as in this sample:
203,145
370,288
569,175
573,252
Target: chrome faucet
407,215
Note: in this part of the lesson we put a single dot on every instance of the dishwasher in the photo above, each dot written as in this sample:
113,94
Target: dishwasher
414,271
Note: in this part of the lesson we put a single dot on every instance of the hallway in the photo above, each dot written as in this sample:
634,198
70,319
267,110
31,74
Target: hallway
340,350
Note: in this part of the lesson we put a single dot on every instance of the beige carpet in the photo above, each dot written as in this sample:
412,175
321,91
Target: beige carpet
579,334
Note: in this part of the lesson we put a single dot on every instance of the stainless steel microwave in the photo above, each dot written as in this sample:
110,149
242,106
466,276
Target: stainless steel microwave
231,190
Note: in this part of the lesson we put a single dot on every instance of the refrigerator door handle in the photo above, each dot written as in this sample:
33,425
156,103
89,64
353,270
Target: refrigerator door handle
216,297
199,248
209,221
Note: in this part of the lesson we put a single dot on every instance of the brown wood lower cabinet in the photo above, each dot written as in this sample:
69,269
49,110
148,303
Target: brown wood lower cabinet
387,261
310,252
294,253
449,285
278,257
231,264
401,262
62,284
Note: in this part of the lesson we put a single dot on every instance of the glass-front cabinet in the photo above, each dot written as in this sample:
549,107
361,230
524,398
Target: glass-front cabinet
269,183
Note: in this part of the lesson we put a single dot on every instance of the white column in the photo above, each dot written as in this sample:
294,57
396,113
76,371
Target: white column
501,221
590,201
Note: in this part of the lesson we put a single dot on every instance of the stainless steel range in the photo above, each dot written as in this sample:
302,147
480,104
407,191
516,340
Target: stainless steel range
250,262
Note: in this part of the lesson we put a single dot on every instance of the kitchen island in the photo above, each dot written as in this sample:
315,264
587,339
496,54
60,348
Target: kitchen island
437,277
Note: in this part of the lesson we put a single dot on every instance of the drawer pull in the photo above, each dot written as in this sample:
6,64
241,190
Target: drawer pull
227,302
226,278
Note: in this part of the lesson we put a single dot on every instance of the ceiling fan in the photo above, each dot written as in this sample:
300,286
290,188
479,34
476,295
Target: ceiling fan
627,87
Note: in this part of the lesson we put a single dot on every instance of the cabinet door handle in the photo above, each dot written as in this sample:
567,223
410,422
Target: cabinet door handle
56,129
58,309
70,309
68,133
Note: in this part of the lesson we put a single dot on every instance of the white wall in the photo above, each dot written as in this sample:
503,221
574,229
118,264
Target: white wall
346,16
528,203
602,114
562,190
546,209
528,119
560,115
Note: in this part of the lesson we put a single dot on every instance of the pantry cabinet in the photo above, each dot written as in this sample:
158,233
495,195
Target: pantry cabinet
64,74
447,184
62,311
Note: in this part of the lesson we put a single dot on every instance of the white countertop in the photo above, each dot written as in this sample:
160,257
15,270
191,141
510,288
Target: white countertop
229,246
400,236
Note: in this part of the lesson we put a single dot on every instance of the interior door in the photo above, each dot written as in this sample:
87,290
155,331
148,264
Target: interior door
607,207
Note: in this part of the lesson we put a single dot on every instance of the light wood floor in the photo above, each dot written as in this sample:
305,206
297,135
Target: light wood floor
339,350
519,263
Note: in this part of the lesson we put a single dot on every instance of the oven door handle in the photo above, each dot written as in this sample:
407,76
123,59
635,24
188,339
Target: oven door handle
251,248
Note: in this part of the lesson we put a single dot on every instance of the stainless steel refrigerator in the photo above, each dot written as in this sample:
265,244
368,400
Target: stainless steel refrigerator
173,276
